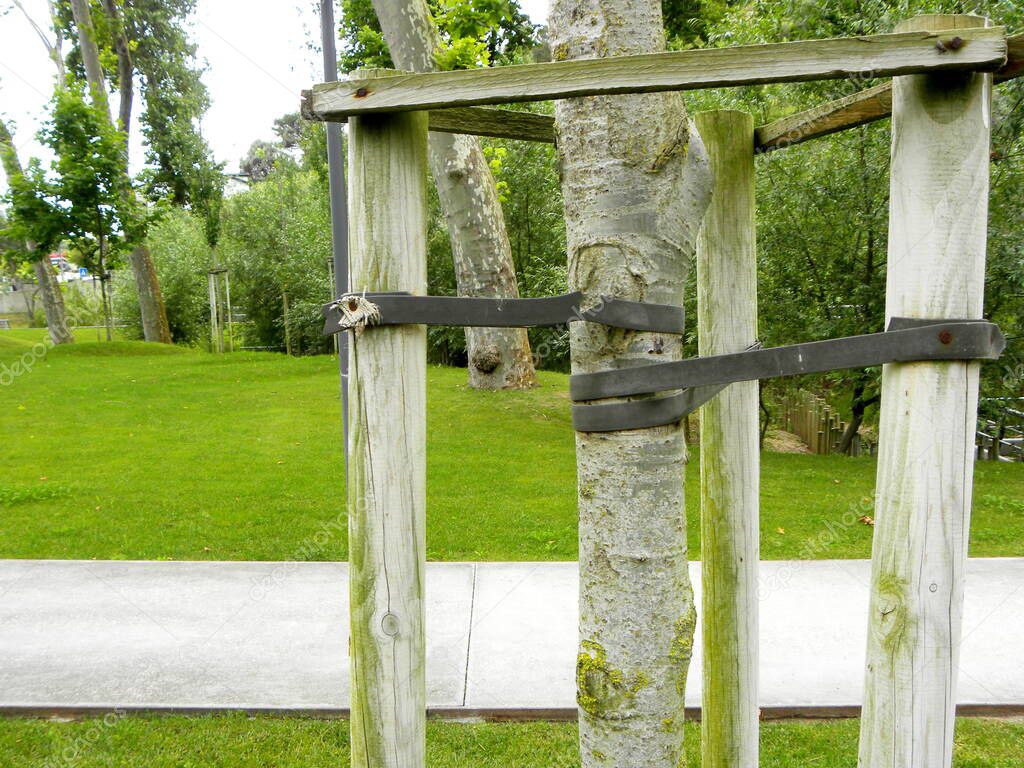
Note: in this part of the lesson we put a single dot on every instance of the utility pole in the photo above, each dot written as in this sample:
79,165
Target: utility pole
339,205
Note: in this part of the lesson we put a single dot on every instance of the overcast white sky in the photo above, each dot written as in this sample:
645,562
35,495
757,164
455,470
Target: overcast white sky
259,58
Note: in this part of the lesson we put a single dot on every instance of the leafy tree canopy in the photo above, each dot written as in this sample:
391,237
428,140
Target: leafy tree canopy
148,39
474,33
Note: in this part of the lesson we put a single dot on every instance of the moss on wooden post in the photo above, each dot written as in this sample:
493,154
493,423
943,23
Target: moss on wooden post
729,457
387,467
936,265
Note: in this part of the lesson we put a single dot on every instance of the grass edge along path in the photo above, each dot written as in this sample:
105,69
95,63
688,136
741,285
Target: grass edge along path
237,741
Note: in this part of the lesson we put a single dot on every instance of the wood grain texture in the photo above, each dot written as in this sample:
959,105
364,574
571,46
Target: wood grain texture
496,123
866,106
936,265
879,55
387,458
1014,66
862,107
857,109
729,450
477,121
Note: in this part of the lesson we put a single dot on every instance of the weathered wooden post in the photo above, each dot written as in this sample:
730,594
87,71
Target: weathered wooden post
936,264
729,457
387,455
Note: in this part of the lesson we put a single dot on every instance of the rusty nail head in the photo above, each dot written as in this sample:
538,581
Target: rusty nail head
945,337
360,92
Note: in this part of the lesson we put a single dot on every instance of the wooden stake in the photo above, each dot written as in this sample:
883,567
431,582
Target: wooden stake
387,459
729,458
936,266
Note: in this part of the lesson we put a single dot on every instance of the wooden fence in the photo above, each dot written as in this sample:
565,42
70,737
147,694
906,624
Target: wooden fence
819,425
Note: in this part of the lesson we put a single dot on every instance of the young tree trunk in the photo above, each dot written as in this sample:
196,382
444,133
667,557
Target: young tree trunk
636,182
499,358
151,300
49,290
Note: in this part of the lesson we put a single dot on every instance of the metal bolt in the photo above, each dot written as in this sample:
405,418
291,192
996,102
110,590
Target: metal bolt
955,44
933,588
945,337
360,92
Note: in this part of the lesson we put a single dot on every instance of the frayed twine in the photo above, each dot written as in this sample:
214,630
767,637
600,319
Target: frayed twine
357,313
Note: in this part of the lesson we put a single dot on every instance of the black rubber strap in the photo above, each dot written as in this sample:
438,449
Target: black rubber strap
647,412
404,308
907,340
641,414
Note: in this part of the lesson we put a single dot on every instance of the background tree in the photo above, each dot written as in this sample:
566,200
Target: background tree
276,240
473,32
84,197
180,249
144,40
35,227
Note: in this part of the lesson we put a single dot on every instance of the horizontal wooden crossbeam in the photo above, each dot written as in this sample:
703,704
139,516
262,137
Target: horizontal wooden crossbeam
857,109
848,112
487,121
868,56
851,111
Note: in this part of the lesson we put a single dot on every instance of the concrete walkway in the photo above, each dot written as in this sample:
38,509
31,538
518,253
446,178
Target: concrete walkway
79,636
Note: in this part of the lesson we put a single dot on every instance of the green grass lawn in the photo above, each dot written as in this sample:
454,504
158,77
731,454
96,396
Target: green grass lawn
240,742
136,451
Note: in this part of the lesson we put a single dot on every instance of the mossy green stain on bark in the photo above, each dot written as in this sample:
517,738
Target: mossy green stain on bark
682,647
601,689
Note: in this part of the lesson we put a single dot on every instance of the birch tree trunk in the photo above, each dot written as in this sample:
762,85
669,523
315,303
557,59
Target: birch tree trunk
499,358
729,456
151,301
938,214
636,182
49,289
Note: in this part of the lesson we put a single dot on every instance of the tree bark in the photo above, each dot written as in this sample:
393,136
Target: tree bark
857,408
151,301
53,302
49,289
636,183
499,358
125,68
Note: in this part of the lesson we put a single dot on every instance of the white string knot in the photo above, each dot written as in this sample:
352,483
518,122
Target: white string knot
357,312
